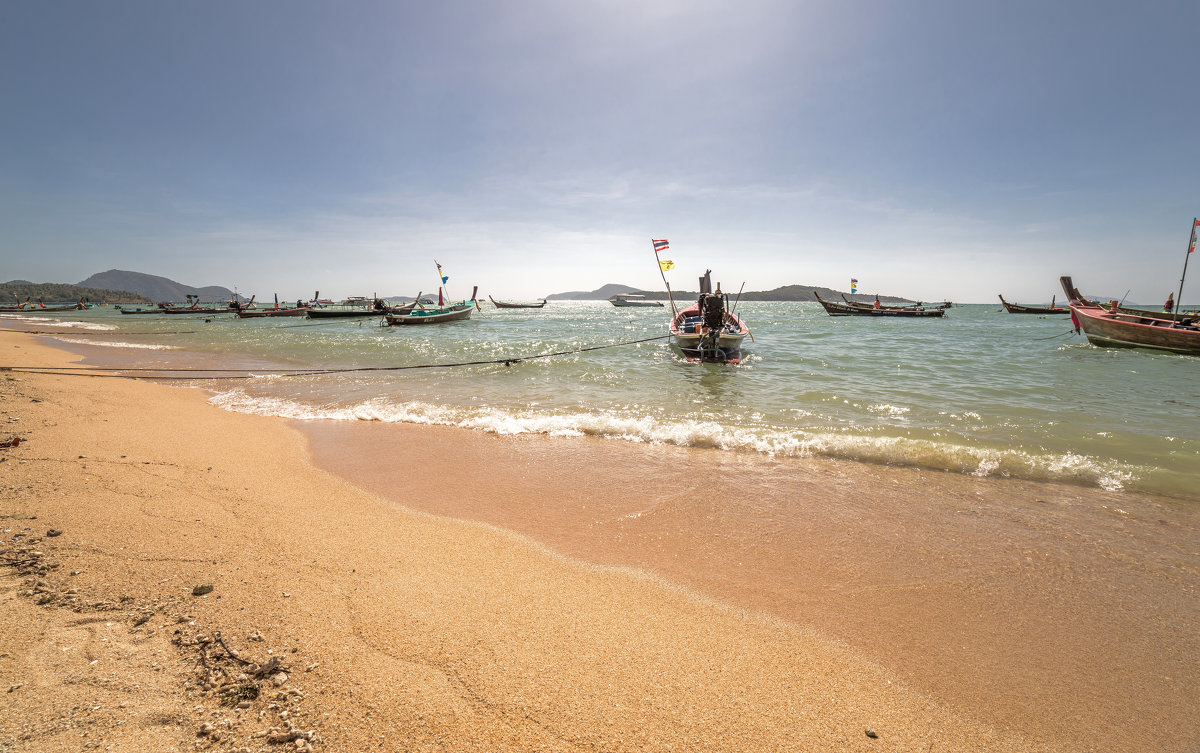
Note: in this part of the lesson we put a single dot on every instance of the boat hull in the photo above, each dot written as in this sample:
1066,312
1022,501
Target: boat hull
635,304
509,305
842,309
271,312
697,343
341,313
1121,330
1016,308
454,313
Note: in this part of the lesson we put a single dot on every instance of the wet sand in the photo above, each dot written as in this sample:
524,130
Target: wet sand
755,606
1065,613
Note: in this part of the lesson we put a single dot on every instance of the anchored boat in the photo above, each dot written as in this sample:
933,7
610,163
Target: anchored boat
708,330
514,305
1130,328
625,300
1017,308
833,308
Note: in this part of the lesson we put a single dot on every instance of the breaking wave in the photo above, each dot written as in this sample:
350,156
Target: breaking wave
885,450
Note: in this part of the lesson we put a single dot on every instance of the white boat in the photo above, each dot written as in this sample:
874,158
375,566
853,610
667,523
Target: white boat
632,299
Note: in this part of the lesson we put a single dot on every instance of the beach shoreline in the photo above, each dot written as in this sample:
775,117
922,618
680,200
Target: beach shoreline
424,631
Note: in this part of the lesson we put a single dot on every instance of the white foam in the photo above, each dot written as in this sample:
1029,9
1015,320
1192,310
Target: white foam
63,323
886,450
116,344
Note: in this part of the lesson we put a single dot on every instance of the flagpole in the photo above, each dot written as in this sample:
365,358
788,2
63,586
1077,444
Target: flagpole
663,275
1191,248
444,283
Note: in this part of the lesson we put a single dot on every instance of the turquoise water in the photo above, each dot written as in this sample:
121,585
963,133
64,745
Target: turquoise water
979,392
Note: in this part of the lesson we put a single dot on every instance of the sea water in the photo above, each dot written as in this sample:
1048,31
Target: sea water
978,392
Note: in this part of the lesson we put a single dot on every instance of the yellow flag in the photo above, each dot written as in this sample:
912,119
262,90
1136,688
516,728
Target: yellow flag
666,264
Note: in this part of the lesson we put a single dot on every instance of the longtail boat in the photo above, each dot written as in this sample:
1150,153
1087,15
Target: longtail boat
1164,315
513,305
352,307
833,308
708,330
1017,308
1109,327
420,314
919,305
42,308
257,313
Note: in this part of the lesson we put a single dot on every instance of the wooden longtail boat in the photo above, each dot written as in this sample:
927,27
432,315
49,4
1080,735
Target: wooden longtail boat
510,305
1077,296
435,315
707,330
256,313
1116,327
196,310
833,308
41,308
352,307
918,305
420,314
1017,308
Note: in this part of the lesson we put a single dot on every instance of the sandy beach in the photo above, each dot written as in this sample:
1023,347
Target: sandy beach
414,588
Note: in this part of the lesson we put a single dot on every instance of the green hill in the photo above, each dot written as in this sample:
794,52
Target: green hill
61,292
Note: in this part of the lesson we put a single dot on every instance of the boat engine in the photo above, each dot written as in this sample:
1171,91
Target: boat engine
712,308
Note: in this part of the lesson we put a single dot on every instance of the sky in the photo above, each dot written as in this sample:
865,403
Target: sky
931,149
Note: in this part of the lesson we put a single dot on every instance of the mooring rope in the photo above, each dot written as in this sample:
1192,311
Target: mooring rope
169,373
1068,333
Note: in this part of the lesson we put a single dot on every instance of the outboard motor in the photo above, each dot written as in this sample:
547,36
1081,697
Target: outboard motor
712,308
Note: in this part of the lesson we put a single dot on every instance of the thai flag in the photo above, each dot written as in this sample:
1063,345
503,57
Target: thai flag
659,245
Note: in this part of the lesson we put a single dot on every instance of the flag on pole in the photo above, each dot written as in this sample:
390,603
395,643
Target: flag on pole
445,277
659,245
1192,243
853,285
666,265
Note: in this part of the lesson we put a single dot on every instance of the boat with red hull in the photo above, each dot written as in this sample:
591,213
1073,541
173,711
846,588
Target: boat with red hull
1116,327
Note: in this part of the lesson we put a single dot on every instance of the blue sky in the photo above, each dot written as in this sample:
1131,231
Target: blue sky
929,149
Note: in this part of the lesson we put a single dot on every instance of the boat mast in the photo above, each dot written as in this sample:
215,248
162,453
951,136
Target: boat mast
1191,248
661,273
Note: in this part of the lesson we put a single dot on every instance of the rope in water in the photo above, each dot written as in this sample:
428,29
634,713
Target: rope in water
168,373
1068,333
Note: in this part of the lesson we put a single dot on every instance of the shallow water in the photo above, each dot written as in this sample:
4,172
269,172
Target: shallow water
979,392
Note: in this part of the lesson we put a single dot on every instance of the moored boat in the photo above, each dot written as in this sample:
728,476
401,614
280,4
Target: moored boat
352,307
422,314
42,308
708,330
1017,308
257,313
1117,327
624,300
515,305
833,308
433,315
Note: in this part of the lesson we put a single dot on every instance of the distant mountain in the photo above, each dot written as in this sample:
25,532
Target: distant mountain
599,294
785,293
61,292
154,287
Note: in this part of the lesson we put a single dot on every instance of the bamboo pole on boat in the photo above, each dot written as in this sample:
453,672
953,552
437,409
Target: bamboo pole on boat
1191,248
